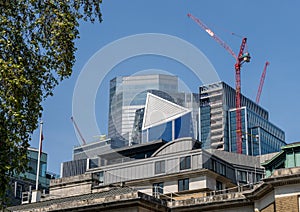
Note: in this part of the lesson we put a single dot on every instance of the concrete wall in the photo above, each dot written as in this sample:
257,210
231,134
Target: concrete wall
71,186
210,183
201,182
171,187
269,208
287,190
265,201
198,183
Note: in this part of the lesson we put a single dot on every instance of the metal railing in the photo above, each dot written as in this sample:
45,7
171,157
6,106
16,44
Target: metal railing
156,192
161,192
217,195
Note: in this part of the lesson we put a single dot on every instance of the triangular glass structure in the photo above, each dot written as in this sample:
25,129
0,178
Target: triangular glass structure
159,111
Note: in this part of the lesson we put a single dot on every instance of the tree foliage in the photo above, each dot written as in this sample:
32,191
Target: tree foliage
36,53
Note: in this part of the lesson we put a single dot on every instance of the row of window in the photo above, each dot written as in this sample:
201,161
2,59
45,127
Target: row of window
160,168
218,167
158,188
255,120
248,177
264,144
185,163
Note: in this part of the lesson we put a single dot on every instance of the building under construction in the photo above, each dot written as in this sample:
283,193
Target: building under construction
218,122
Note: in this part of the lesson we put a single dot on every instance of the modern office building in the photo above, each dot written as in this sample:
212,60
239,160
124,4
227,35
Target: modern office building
217,125
26,182
128,95
165,120
85,155
259,137
160,120
178,166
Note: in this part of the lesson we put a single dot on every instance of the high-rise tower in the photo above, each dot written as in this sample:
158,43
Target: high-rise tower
217,125
128,95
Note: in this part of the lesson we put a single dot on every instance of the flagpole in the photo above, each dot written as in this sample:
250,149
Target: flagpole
39,157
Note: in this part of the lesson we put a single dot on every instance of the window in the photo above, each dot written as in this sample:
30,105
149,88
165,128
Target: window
32,166
242,176
103,162
183,184
101,178
93,163
221,169
157,189
160,167
218,167
18,190
185,162
258,177
219,185
213,164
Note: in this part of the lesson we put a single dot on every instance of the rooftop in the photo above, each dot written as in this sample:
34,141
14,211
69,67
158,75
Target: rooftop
106,200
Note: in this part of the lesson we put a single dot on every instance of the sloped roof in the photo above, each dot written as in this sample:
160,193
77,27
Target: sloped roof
67,200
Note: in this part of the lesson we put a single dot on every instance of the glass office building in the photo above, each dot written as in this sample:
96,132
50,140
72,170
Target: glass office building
259,135
128,96
217,122
165,120
26,182
33,161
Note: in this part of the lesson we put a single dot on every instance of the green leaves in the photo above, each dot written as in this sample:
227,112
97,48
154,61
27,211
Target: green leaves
36,52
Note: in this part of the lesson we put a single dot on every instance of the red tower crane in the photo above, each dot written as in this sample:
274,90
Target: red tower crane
240,59
261,84
77,129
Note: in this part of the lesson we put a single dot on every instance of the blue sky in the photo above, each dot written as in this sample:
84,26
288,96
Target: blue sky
272,30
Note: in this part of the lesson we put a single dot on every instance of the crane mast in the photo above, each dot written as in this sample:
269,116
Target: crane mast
240,59
261,84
